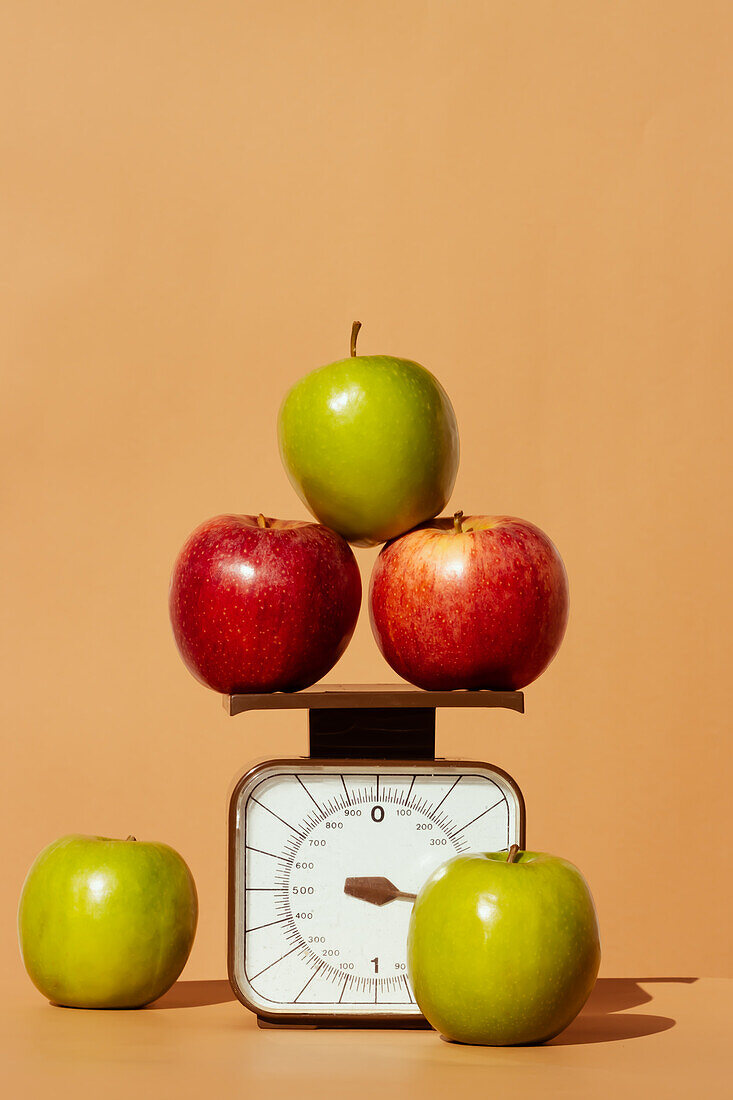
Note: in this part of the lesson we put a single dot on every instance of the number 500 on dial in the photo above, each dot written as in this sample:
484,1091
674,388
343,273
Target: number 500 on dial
300,948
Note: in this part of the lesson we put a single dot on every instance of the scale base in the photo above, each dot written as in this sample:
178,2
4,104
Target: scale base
353,1025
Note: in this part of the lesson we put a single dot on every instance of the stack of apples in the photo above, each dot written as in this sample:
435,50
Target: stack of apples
370,443
503,948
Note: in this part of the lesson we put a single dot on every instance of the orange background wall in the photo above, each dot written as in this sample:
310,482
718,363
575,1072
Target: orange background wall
534,200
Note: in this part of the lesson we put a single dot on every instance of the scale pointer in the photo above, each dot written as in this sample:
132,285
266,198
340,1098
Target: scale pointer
377,891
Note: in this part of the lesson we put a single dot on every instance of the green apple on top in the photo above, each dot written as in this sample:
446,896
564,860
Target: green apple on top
370,444
106,923
503,948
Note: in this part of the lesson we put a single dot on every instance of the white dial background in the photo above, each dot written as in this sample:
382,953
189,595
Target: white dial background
301,944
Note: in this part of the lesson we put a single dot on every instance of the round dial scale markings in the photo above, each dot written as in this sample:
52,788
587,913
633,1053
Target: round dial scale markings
328,859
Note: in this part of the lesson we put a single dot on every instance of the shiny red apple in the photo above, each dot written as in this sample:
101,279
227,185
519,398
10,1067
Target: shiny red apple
475,602
262,604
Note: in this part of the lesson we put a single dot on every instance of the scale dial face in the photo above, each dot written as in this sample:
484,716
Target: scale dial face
299,946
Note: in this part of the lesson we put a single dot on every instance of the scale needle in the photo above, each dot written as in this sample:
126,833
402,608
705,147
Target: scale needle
377,891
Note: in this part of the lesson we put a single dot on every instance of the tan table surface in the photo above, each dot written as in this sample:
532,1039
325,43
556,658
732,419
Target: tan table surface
662,1037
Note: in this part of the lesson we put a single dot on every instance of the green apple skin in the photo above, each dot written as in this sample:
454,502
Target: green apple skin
106,923
370,444
502,954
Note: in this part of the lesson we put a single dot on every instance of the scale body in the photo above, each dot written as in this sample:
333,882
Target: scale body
371,801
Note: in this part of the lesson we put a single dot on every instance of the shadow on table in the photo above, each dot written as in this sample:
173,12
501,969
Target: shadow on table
195,995
604,1019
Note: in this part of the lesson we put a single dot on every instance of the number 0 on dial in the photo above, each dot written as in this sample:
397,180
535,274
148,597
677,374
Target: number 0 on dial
305,945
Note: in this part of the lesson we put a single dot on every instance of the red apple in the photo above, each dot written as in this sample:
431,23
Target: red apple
480,602
262,604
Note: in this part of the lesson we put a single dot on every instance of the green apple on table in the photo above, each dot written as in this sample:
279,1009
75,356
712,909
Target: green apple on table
503,949
106,923
370,444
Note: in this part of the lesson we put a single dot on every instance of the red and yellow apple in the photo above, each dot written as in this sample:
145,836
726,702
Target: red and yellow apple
262,604
474,602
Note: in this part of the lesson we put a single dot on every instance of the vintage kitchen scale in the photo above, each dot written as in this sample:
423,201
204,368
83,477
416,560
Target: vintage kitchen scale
326,851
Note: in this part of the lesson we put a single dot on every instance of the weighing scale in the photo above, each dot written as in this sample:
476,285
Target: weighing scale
327,851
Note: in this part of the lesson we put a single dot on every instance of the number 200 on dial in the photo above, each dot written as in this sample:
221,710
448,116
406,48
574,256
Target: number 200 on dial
299,946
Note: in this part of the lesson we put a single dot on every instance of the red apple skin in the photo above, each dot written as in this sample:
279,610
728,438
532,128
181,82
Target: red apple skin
263,608
484,607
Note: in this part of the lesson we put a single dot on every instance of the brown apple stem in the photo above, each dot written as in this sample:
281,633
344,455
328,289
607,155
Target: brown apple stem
354,333
512,853
132,838
458,522
261,521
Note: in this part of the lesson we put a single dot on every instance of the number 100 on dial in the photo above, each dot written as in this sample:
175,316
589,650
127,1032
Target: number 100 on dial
311,936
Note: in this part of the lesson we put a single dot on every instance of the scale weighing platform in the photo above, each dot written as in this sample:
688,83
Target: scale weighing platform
327,851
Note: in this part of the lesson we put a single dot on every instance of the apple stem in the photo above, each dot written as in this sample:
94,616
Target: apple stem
132,837
458,522
354,333
512,853
261,521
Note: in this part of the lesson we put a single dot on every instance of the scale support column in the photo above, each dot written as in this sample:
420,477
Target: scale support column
387,733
